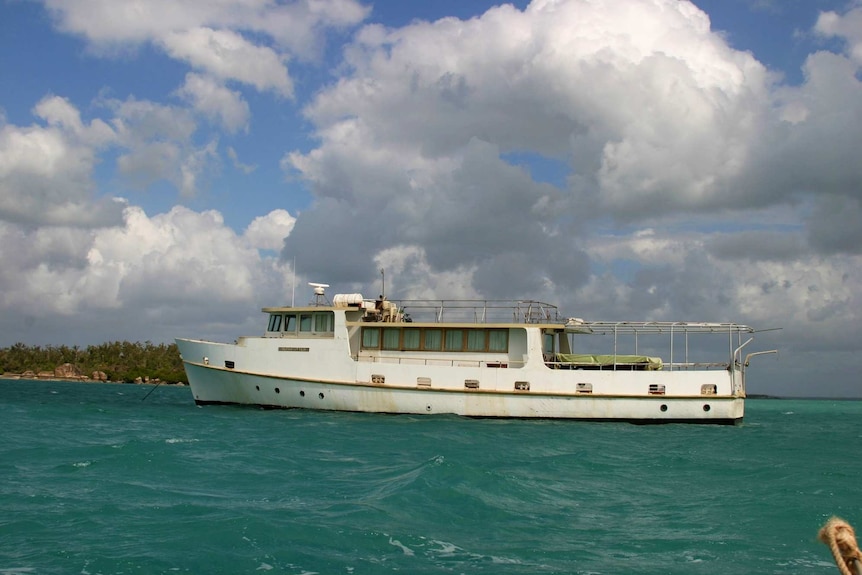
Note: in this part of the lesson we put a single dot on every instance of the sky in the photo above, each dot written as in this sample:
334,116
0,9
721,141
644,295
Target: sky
167,169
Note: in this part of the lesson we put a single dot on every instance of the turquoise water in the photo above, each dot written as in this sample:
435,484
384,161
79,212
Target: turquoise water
95,480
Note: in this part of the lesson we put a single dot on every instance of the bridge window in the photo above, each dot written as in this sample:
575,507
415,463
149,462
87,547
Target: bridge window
476,340
371,337
391,337
498,340
411,338
323,322
309,324
433,339
454,339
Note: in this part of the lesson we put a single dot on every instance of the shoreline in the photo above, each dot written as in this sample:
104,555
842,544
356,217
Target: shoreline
84,379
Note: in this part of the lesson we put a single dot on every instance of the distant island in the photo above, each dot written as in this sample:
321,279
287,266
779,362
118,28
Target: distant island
121,362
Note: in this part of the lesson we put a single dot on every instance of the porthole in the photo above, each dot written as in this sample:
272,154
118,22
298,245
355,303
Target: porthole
301,393
663,407
277,390
320,395
257,387
706,407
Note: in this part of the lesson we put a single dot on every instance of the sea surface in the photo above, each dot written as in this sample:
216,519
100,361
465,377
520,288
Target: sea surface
98,479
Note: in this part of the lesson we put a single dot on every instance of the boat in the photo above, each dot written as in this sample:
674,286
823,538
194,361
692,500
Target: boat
475,358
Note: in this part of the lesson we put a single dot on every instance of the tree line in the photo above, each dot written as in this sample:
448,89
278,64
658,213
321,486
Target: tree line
119,360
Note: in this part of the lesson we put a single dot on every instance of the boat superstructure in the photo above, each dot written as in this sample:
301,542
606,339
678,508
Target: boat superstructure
477,358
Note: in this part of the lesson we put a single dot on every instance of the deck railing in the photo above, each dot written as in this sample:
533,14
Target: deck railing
480,311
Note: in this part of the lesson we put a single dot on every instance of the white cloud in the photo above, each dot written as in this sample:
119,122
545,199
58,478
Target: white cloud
146,278
268,232
46,170
106,22
244,168
229,56
847,26
649,108
652,113
207,34
158,144
216,101
175,256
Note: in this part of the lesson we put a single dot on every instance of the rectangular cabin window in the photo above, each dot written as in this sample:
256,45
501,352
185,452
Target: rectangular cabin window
371,337
476,340
290,323
323,322
454,339
498,340
411,338
274,323
433,339
391,338
305,322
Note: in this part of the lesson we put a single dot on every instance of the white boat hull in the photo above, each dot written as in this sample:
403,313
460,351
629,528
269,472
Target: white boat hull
212,384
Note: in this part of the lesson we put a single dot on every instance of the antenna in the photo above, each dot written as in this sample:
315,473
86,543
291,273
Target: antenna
319,293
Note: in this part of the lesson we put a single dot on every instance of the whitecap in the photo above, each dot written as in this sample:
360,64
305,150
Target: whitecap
446,549
180,440
79,464
264,567
407,551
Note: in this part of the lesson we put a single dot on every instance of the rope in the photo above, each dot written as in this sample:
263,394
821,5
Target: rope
839,536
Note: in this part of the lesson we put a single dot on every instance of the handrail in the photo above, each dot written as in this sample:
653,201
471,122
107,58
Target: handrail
479,310
613,366
739,349
752,354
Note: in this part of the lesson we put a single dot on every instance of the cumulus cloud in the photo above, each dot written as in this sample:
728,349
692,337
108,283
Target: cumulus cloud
652,112
268,232
847,26
208,35
144,278
244,168
158,144
46,169
229,56
217,102
648,85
